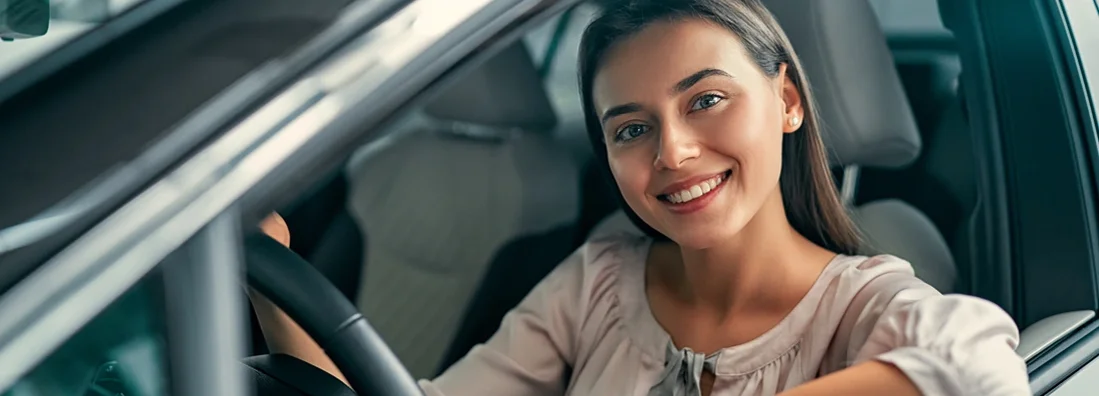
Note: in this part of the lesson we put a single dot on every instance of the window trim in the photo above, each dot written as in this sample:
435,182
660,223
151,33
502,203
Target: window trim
1081,19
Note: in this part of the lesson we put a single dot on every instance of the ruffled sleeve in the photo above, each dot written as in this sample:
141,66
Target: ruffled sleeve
537,341
946,345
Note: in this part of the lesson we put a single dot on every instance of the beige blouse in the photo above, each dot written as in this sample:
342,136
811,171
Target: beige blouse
587,330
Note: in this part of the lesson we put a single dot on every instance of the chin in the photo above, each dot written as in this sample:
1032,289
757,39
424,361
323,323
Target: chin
700,237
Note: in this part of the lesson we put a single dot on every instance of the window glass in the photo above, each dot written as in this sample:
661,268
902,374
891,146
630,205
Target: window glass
23,42
560,78
123,351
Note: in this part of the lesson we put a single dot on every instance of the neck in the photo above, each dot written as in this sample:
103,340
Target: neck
756,271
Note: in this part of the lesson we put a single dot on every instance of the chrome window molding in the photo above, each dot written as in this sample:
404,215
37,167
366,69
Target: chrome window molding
64,294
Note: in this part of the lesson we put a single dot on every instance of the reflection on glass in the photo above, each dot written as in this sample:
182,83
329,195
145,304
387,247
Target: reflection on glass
26,39
123,351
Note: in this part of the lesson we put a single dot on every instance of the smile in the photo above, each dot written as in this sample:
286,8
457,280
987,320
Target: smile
696,191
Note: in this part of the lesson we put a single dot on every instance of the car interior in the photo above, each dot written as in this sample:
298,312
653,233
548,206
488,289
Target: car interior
483,182
437,230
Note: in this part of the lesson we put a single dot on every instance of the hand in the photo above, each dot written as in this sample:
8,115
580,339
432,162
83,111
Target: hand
282,333
275,227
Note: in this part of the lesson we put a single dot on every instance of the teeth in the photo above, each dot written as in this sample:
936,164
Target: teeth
695,191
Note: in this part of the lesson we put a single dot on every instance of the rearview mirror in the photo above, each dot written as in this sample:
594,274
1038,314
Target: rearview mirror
20,19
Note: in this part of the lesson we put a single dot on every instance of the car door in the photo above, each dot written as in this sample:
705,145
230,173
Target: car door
1030,72
1073,367
101,322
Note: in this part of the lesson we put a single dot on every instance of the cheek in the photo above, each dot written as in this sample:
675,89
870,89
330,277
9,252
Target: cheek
744,131
752,139
631,174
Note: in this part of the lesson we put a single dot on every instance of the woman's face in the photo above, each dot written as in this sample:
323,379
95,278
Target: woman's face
693,129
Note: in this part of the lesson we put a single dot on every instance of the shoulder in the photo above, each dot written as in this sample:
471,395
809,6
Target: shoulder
596,267
876,275
870,267
883,305
887,284
885,295
862,288
946,344
610,250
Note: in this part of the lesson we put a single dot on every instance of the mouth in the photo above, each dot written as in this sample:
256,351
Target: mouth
697,191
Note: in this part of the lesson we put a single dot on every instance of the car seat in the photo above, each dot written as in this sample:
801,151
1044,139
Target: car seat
479,171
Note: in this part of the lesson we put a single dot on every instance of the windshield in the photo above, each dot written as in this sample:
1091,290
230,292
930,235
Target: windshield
23,40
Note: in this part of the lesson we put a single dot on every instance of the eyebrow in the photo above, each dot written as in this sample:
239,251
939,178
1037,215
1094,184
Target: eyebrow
619,110
693,79
679,87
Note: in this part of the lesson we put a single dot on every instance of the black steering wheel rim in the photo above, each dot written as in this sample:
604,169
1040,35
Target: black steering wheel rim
325,314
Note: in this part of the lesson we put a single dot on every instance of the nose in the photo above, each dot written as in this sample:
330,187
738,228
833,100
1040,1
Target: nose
678,147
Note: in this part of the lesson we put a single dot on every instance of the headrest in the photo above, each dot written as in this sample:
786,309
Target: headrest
866,115
505,91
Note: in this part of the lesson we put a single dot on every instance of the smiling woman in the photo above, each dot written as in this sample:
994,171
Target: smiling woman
705,94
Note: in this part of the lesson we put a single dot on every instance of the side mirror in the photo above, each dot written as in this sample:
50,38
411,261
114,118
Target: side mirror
21,19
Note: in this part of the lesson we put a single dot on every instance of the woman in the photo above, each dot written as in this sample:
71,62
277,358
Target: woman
749,283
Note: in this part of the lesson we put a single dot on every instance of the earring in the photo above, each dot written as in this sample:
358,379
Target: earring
794,121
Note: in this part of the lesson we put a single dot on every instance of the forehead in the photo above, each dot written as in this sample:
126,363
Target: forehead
662,54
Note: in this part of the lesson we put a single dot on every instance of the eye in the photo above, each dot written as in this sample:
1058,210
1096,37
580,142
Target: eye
706,101
630,132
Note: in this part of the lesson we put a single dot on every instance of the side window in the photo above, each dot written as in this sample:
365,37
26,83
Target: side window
555,47
123,351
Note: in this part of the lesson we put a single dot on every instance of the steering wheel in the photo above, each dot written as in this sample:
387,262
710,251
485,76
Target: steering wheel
326,315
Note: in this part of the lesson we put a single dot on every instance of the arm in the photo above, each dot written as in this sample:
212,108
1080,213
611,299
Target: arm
866,379
282,333
921,342
527,356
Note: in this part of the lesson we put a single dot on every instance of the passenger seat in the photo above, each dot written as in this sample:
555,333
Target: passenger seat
441,202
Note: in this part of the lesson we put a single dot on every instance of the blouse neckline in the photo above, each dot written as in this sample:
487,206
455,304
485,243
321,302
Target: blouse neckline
741,359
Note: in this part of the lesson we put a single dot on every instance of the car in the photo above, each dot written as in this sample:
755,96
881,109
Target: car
430,159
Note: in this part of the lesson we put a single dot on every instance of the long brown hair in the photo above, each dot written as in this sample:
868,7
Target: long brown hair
808,191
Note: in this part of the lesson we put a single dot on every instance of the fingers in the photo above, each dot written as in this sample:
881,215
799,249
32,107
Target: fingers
275,227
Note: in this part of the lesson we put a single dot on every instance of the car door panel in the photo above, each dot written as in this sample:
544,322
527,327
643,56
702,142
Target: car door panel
1071,367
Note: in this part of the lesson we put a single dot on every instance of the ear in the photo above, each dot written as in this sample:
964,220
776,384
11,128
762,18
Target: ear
793,113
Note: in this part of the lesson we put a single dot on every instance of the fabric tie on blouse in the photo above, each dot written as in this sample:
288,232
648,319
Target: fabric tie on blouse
682,374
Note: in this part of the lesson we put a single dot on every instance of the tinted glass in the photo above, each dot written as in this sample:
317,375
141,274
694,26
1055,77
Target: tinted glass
68,19
123,351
